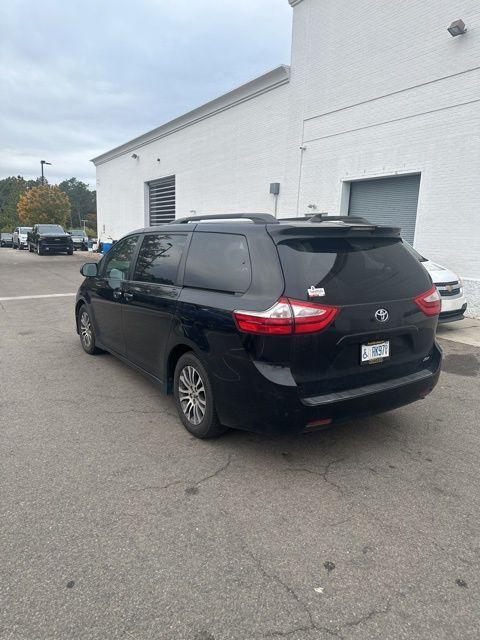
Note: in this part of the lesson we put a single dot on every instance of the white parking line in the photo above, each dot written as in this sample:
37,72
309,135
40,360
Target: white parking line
46,295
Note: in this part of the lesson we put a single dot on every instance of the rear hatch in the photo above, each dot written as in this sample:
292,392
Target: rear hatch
379,331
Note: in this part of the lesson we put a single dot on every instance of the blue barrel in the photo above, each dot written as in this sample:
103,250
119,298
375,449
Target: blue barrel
106,247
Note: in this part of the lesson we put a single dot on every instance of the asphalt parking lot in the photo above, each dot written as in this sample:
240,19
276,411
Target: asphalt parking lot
116,523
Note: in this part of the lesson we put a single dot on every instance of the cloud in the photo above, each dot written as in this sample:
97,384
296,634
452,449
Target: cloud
79,78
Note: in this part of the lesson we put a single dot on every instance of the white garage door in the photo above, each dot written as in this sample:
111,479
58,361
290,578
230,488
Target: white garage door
391,201
161,201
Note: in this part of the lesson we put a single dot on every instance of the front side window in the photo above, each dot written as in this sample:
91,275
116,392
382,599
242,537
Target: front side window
117,261
218,261
159,258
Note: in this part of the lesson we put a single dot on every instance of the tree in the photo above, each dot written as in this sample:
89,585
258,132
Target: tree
11,189
92,222
82,200
44,204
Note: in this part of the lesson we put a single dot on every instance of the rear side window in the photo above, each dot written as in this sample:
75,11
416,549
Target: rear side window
354,271
159,258
218,261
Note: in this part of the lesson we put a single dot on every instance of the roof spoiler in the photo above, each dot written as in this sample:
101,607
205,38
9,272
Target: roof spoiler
324,217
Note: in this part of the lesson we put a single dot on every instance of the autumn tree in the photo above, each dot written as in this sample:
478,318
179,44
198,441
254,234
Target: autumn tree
44,204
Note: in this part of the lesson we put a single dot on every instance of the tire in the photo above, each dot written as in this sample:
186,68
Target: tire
70,253
86,332
200,417
19,247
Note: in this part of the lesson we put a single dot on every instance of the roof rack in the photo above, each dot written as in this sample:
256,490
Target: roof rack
256,218
324,217
304,218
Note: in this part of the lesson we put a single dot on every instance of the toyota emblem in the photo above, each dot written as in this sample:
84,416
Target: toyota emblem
381,315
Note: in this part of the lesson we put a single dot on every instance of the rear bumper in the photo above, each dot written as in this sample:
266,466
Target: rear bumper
274,409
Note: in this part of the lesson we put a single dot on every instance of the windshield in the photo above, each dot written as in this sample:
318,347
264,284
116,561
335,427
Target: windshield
77,232
24,229
414,252
50,228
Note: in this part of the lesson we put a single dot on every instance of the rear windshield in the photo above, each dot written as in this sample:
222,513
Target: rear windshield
353,271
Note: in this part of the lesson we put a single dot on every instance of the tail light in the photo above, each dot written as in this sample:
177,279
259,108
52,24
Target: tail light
430,302
286,317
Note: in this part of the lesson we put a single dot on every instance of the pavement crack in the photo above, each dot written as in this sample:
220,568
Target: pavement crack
272,577
323,474
215,473
191,483
373,613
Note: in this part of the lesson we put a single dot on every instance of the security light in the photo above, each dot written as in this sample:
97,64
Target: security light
42,164
457,28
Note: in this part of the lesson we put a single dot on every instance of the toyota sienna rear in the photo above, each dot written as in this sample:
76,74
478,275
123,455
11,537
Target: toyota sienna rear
271,326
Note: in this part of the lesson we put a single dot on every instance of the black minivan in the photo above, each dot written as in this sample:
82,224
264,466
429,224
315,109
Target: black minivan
273,326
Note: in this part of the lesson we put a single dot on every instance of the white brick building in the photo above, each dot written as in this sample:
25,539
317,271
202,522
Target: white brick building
375,90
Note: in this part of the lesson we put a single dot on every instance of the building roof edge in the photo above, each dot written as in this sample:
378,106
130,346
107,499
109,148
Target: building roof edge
251,89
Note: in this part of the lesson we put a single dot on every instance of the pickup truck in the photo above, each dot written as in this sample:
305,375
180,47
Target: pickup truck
49,238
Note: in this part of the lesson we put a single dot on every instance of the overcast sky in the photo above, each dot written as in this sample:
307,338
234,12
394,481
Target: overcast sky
80,77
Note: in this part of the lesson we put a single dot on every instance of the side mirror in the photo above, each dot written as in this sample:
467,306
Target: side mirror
89,270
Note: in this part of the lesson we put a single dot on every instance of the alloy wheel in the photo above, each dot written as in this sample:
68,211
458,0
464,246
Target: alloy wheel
86,332
191,393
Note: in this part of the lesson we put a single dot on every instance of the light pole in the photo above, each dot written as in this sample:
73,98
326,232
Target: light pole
42,162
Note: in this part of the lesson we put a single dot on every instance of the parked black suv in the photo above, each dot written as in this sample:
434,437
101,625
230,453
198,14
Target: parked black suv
49,238
274,326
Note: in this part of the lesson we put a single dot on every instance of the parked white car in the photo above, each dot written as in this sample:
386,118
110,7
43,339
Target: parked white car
20,237
449,285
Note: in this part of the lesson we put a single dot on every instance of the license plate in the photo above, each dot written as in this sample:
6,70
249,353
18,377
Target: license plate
375,352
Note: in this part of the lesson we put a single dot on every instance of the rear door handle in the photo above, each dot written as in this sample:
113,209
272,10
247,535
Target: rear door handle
128,296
